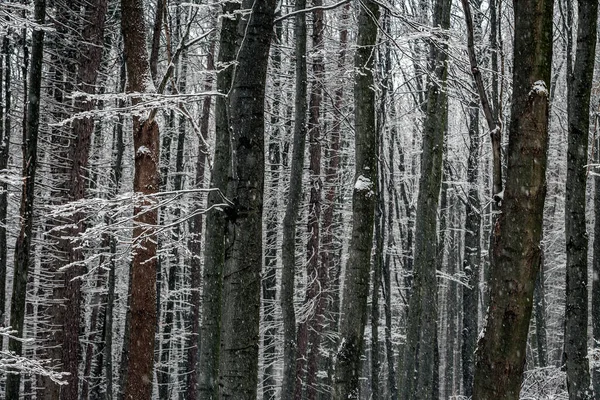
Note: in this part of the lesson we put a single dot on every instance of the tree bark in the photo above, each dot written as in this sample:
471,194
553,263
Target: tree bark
500,356
5,127
23,244
364,197
196,226
419,365
579,86
238,365
471,254
138,384
269,282
309,331
288,246
214,248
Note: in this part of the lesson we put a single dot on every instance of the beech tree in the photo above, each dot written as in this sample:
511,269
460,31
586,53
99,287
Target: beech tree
145,184
579,85
419,365
238,364
515,256
23,257
356,283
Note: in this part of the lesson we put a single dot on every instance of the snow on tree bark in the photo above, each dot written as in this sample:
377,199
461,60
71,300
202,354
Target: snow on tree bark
500,356
356,283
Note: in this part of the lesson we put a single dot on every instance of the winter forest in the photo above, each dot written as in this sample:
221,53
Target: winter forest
299,200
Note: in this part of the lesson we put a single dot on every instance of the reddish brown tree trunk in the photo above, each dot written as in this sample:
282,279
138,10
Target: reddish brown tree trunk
138,385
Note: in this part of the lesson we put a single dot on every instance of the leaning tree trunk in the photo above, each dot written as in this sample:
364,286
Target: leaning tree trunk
214,251
140,344
364,198
579,86
500,357
238,364
419,367
23,244
288,245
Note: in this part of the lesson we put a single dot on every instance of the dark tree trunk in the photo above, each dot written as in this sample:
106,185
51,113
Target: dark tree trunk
214,251
579,86
419,365
309,331
23,244
238,364
364,197
156,29
138,384
288,246
471,254
269,282
88,63
500,356
330,262
195,245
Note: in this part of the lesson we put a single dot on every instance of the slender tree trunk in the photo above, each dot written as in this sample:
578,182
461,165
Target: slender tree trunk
596,266
539,298
288,246
5,128
500,356
387,230
195,245
214,251
329,260
269,283
356,284
579,86
238,365
138,384
88,62
23,244
471,254
309,331
419,365
156,30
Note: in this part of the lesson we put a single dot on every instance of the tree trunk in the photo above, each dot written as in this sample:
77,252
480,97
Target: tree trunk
88,63
23,244
214,251
196,225
329,260
5,128
596,269
471,254
138,384
288,246
309,331
539,299
514,264
419,365
356,284
269,283
238,365
579,86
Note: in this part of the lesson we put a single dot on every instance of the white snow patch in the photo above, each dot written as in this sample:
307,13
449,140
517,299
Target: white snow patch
143,150
363,183
539,88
